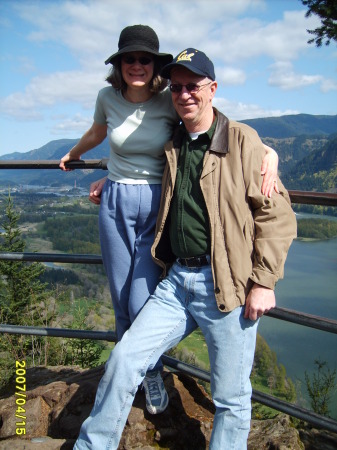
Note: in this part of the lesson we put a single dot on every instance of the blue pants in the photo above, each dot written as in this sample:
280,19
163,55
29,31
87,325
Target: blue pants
181,302
127,220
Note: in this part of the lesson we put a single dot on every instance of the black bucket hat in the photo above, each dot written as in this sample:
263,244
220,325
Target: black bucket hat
139,38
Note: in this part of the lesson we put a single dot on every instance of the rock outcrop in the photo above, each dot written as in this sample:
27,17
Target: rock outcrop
58,399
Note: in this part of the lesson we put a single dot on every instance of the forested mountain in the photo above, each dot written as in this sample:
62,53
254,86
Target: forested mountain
306,145
293,149
317,171
45,152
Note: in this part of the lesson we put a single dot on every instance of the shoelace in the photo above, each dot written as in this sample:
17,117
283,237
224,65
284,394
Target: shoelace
153,388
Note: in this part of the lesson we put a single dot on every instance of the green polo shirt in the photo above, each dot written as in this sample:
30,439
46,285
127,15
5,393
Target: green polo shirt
189,223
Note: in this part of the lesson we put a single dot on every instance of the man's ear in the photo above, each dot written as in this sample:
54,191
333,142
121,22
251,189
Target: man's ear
214,87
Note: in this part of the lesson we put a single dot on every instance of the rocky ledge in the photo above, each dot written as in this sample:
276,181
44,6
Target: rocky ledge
58,399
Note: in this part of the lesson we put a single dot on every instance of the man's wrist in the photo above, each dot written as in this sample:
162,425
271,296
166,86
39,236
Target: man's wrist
264,287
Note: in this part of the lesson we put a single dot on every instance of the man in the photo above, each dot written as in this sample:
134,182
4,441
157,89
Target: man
222,246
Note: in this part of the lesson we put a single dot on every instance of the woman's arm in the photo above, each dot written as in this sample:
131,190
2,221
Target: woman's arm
269,172
94,136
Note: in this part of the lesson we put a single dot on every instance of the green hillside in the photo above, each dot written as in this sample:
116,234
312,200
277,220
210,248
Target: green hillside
293,149
317,171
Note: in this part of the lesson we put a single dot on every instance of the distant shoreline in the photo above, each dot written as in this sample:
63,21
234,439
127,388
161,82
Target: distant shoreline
316,229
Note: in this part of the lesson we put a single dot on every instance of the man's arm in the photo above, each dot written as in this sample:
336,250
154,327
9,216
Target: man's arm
274,219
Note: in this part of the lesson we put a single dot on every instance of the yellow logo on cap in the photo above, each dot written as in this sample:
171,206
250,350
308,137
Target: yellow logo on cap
184,56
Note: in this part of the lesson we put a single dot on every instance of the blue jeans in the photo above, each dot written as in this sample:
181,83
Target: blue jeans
127,221
182,302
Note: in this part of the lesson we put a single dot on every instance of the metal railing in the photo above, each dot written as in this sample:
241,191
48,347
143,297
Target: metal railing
288,315
303,197
327,325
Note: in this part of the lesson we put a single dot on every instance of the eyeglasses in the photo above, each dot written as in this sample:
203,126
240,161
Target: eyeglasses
143,60
191,87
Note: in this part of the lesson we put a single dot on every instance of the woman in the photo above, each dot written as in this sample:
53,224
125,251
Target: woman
137,114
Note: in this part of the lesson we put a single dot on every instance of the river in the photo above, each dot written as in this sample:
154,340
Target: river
310,286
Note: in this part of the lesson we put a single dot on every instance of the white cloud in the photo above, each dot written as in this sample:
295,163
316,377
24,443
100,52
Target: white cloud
26,65
47,91
248,38
89,31
230,76
284,77
92,28
328,85
241,111
68,126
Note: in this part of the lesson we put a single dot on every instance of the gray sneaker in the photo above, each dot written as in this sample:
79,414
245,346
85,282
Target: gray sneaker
155,393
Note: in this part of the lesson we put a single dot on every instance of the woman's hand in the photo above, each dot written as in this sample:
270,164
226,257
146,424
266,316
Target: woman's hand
269,171
91,138
66,158
96,190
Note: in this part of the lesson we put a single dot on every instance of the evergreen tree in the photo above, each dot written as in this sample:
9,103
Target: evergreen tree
21,297
326,10
320,387
83,352
21,288
25,300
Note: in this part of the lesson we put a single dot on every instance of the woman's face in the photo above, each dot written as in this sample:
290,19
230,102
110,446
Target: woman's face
137,68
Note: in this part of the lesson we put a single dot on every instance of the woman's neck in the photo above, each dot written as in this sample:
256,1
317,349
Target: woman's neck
137,95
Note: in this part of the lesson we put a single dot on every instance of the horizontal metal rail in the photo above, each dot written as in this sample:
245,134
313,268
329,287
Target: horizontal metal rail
313,198
307,320
59,332
54,164
175,364
51,257
303,197
295,411
288,315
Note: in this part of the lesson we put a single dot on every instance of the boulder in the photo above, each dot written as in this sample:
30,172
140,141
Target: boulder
276,434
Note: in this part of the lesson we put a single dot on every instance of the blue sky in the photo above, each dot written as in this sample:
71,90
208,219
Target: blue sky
52,55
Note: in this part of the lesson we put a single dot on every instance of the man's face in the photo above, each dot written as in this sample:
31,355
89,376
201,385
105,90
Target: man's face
195,107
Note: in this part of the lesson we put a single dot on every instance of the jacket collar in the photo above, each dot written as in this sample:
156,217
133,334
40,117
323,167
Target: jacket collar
219,142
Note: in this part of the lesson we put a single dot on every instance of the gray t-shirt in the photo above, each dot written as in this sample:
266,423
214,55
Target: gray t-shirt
137,133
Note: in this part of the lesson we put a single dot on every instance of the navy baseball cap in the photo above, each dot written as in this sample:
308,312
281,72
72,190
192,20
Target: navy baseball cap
194,60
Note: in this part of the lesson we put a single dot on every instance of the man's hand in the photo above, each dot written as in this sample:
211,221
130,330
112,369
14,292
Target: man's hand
96,190
259,301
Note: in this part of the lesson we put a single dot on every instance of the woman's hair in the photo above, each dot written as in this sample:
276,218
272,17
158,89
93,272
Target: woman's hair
157,83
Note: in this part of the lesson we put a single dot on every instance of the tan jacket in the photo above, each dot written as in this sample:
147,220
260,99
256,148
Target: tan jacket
250,233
